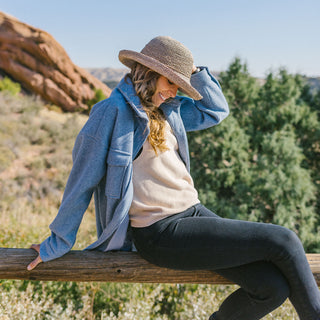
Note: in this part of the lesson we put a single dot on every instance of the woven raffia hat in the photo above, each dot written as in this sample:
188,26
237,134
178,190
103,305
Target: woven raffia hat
167,57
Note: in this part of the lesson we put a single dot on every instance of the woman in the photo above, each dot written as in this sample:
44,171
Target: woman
133,155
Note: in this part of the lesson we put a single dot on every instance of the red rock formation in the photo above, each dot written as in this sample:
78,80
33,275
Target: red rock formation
35,59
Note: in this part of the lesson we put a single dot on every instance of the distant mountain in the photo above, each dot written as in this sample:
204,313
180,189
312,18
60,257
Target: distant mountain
113,74
314,83
108,74
111,77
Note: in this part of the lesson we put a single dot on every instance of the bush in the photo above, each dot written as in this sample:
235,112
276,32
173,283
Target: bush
7,85
98,96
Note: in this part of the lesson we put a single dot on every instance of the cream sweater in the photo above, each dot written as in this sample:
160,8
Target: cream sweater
162,185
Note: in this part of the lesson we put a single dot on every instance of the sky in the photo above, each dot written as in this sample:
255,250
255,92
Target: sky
265,34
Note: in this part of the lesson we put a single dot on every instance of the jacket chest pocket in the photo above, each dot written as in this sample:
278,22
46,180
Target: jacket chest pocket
117,165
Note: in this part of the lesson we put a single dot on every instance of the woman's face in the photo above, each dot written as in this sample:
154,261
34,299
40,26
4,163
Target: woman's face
165,89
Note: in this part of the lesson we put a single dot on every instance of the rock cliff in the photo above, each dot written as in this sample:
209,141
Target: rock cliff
35,59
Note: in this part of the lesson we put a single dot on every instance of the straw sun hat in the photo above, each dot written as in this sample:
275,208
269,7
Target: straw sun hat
167,57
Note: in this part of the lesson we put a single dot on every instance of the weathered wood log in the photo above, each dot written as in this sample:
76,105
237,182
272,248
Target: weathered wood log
107,267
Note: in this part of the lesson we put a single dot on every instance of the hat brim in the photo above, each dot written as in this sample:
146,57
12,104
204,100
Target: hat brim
129,58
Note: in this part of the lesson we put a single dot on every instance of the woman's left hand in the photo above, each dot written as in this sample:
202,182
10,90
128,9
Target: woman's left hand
37,260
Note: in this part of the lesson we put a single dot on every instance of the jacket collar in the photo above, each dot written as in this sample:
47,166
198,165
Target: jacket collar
125,86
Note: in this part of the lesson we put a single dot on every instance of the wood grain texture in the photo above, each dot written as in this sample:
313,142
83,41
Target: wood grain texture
107,267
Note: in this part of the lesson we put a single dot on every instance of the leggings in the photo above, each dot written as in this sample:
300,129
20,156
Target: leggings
267,261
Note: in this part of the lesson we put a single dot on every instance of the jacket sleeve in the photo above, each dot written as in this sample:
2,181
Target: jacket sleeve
210,110
89,166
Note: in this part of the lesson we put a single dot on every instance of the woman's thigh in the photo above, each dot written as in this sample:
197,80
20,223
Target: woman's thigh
203,240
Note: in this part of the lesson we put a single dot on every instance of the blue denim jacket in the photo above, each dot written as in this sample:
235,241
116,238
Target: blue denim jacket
103,155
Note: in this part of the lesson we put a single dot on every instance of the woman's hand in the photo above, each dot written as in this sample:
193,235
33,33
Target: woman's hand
37,260
195,69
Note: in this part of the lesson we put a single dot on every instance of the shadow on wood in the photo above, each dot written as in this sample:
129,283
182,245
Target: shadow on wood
107,267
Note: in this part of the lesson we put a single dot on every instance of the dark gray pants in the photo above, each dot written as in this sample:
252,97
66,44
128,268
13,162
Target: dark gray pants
267,261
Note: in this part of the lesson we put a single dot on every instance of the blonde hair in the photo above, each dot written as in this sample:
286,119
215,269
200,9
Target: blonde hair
145,81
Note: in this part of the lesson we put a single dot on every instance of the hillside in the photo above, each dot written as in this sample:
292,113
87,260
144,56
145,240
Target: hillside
35,152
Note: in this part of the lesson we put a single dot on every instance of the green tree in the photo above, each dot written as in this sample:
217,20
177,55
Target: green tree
255,165
309,135
241,91
220,164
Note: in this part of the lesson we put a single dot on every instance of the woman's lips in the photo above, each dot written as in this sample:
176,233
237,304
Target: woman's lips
162,97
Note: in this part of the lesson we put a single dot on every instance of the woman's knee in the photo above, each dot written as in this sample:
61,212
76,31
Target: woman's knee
286,241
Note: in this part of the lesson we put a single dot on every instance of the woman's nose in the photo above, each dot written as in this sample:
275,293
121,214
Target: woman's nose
173,91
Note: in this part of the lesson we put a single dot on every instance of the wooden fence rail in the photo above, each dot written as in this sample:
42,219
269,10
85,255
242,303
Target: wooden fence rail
107,267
